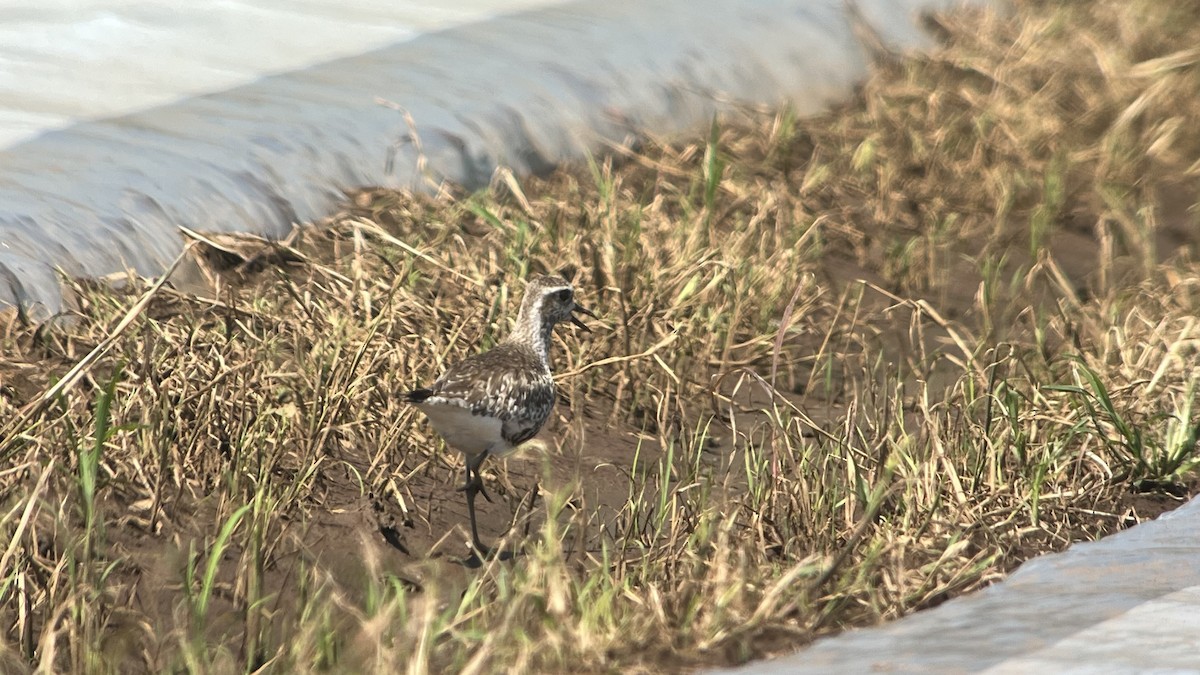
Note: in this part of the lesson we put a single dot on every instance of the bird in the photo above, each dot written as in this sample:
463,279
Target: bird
489,404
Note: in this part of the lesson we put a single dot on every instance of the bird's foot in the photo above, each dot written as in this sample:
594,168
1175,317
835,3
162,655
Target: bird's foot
482,550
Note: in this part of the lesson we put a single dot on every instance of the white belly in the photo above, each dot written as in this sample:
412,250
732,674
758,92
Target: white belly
469,434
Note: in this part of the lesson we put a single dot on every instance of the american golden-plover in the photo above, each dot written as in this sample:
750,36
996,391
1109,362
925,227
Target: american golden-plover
489,404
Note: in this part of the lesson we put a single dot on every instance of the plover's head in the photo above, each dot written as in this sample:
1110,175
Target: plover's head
552,298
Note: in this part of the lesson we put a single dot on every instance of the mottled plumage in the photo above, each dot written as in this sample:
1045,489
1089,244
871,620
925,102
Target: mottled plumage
490,403
508,383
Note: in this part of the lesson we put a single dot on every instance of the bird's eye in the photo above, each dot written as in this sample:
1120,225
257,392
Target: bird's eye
564,295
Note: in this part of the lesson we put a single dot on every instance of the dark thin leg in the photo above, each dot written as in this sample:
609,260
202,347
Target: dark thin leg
474,485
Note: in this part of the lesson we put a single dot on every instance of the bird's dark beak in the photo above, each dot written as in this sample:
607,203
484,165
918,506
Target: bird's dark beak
583,310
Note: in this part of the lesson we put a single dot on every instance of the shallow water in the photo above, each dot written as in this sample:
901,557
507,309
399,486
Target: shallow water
109,189
1127,603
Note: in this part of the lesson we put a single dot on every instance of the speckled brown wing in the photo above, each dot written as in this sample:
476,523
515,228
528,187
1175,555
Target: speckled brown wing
538,402
508,383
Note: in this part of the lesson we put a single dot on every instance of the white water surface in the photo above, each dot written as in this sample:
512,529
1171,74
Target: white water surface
123,120
65,61
1129,603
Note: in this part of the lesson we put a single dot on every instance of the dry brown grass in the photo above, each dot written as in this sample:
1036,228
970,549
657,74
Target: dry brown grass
849,367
